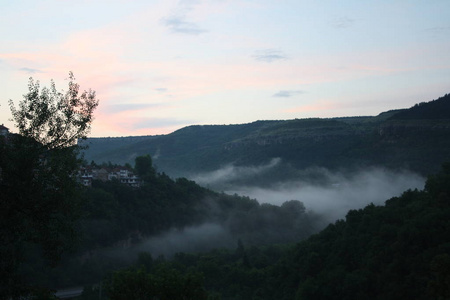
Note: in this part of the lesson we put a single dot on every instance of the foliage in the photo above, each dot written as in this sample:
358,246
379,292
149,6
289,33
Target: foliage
381,252
144,168
219,274
55,119
39,191
399,250
164,283
436,109
114,210
116,214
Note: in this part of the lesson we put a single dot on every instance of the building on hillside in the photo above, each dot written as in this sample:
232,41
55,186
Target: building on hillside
122,174
125,176
85,176
100,174
4,130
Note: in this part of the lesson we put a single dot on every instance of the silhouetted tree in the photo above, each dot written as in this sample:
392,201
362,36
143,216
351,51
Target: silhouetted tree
143,166
38,186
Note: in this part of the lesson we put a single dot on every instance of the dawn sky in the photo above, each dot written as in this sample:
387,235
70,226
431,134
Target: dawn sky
158,66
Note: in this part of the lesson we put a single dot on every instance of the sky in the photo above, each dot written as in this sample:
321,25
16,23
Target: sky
158,66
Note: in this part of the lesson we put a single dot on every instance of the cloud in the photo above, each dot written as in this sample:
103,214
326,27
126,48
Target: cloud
342,22
161,90
269,55
178,24
287,93
30,70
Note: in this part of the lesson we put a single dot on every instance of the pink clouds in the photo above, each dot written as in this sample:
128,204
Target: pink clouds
138,122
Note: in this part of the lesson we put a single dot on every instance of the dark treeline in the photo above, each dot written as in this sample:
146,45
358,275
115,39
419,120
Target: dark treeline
118,221
436,109
396,251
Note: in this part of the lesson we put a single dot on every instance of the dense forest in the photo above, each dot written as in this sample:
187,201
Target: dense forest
173,239
378,252
119,217
397,250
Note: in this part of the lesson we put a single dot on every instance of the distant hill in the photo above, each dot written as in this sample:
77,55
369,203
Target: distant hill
433,110
417,138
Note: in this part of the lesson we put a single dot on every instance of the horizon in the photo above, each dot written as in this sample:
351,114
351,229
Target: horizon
159,66
232,124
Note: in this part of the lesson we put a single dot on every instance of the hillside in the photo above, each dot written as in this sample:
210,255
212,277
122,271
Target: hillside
399,250
417,139
162,217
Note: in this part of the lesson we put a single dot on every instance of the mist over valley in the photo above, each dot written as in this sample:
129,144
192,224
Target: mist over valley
269,204
225,150
329,166
328,193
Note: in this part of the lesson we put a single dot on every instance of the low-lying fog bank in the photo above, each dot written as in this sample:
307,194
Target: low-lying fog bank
322,191
326,195
190,239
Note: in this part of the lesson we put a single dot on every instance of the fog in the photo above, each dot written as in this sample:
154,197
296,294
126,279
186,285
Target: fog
231,173
190,239
325,192
329,195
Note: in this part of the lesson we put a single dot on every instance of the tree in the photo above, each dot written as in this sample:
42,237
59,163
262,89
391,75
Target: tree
144,168
437,185
55,119
38,185
164,284
439,285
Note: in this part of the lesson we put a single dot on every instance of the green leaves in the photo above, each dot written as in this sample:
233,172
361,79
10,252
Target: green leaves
55,119
38,188
144,167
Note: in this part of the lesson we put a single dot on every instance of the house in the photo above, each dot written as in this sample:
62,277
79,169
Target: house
85,176
100,174
125,176
4,130
122,174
